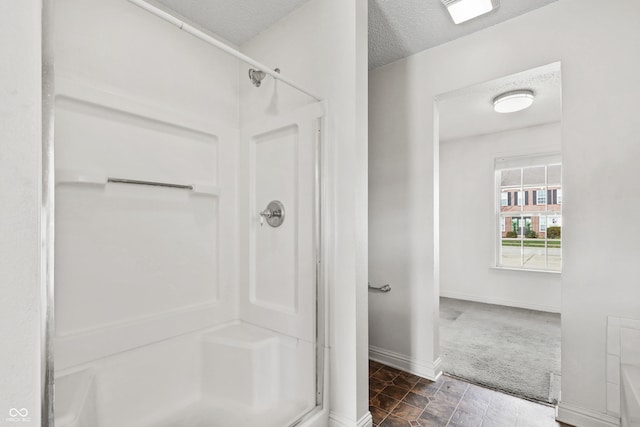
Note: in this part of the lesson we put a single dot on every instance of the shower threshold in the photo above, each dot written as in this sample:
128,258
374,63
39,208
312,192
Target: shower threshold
229,414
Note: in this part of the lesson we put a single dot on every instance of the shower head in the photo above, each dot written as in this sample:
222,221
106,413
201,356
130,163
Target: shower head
256,76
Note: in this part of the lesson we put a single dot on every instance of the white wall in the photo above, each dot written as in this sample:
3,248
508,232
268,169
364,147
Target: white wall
467,221
322,46
401,220
596,44
20,154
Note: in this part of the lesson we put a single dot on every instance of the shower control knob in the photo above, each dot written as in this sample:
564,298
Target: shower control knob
273,214
264,214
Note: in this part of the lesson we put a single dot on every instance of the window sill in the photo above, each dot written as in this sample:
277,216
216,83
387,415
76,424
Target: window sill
528,270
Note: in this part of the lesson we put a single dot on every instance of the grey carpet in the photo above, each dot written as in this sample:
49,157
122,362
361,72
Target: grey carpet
505,348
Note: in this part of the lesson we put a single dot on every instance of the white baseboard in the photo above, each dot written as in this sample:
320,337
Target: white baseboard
430,371
336,420
577,416
499,301
366,420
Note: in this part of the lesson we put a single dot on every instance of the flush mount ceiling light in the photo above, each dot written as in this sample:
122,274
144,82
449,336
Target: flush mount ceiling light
464,10
510,102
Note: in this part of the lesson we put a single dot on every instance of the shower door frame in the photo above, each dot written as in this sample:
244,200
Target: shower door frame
47,218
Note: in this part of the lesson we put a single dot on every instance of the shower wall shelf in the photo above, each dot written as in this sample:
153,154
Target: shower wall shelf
89,178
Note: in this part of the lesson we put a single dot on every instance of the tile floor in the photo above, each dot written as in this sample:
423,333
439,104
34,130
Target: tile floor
399,399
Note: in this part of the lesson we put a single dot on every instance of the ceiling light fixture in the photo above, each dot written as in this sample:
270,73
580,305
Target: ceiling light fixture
464,10
510,102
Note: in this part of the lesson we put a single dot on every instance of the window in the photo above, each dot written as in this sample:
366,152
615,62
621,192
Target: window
529,213
555,221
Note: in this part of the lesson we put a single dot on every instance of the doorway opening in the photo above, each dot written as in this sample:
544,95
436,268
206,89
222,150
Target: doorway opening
500,261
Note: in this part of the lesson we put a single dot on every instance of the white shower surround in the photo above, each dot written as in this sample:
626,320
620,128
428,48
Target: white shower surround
253,389
134,346
327,65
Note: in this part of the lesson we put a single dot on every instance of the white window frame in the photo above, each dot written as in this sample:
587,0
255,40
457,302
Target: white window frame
530,210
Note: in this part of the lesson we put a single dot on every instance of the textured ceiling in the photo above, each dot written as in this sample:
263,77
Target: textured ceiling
237,21
467,112
397,28
400,28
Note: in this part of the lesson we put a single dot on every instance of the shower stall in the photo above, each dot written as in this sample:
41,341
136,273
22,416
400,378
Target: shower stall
188,285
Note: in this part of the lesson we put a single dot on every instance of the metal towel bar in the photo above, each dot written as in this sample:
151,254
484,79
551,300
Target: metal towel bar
65,176
386,288
152,183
